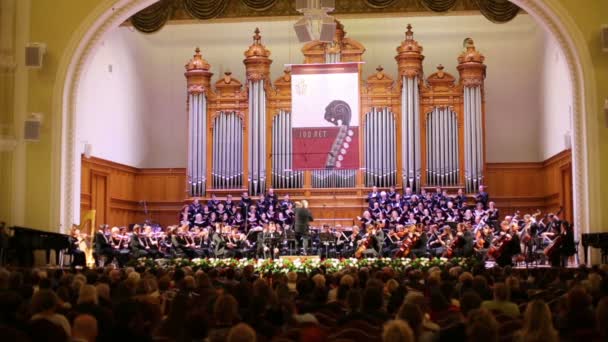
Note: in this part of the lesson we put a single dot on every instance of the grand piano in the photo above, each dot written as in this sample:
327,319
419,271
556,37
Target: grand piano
596,240
26,240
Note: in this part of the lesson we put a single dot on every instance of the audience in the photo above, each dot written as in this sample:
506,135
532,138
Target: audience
450,303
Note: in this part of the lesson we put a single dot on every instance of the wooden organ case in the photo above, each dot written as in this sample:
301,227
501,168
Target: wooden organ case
416,132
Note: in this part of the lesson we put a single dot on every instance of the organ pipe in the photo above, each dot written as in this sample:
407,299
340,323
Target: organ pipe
227,168
442,147
197,144
379,148
283,177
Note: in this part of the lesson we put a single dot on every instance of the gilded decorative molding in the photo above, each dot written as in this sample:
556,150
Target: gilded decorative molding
257,61
470,65
197,73
409,55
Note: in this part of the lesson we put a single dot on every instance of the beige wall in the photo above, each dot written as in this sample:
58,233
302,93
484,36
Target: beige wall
514,54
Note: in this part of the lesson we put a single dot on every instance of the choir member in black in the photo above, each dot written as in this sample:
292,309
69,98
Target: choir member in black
120,244
195,207
184,215
411,219
438,195
103,248
366,219
237,221
303,217
252,218
213,203
229,204
77,247
220,210
375,210
482,196
373,196
271,215
271,197
479,210
460,199
468,217
394,220
407,195
285,202
200,222
225,219
391,193
493,213
245,203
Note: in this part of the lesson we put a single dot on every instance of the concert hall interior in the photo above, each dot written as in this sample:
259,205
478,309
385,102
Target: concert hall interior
304,170
138,107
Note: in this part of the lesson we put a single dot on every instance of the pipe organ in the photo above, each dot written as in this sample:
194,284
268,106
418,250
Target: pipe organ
227,170
416,131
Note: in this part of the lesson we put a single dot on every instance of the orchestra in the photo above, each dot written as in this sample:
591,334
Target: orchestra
413,225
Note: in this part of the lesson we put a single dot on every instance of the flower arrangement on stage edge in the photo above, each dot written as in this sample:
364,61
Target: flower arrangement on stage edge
273,266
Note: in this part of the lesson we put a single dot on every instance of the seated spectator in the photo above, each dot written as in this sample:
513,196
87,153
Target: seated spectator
397,331
241,333
601,315
413,316
481,326
84,329
44,304
538,324
501,302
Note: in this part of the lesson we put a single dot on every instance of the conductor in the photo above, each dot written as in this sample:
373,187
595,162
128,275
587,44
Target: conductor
302,219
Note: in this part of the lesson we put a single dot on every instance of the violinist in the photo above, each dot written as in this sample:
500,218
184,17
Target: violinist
77,247
501,251
138,244
103,248
375,239
483,241
434,244
353,241
419,247
182,244
120,244
493,213
151,241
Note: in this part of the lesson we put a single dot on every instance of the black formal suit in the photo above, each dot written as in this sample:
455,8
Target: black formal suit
303,217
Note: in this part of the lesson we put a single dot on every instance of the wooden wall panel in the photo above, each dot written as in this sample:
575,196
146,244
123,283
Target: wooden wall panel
513,186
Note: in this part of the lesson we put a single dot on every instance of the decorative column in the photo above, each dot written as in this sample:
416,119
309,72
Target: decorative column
472,74
257,65
198,78
409,61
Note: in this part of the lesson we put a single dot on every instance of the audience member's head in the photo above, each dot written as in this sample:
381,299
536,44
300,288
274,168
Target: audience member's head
413,316
501,292
397,331
84,328
538,323
225,310
88,295
481,326
44,301
241,333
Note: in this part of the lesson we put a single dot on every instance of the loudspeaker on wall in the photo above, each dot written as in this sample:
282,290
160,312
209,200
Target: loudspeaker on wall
34,53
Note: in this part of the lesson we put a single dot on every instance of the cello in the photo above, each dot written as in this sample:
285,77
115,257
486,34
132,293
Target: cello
365,244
